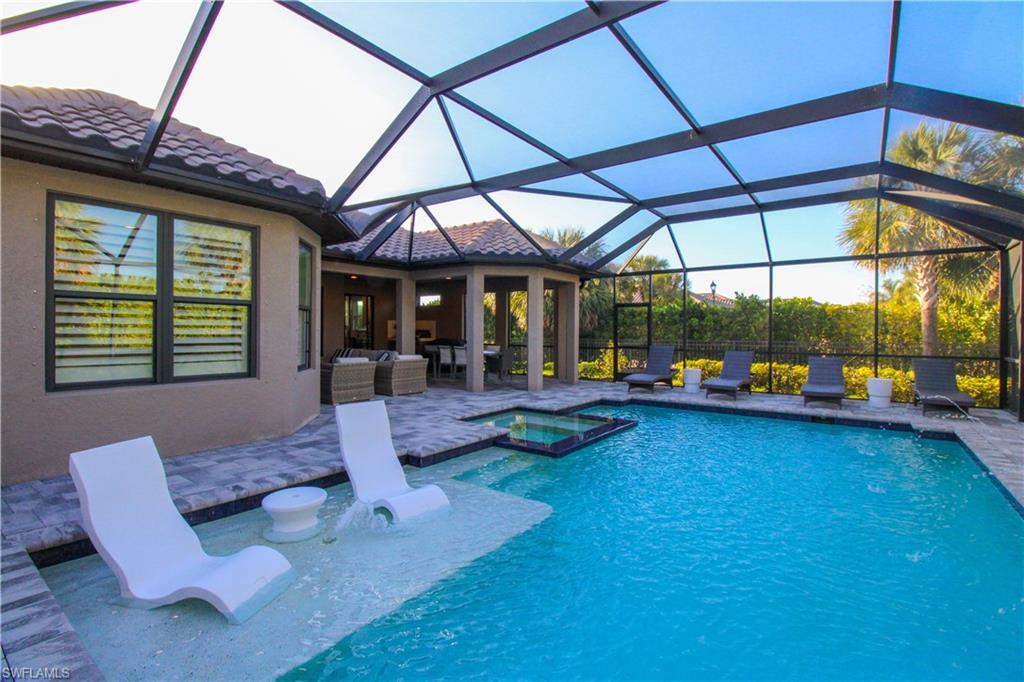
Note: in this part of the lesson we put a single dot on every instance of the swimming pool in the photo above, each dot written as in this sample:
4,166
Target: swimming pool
716,546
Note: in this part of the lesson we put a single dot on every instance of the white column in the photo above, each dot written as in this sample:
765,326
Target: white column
568,332
405,315
535,332
474,330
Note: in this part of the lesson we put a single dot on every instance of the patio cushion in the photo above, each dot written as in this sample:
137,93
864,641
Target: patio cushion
830,390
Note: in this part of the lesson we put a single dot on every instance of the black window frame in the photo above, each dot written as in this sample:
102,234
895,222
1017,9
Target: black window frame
163,301
306,309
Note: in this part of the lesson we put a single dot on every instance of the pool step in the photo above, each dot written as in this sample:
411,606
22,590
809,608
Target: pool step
494,472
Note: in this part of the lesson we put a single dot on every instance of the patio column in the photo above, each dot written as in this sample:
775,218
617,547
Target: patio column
501,318
405,315
568,332
535,332
474,330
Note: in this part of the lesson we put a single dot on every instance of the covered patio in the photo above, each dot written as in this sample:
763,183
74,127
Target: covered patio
512,319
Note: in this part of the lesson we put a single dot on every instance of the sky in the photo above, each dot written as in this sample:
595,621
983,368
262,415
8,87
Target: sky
276,84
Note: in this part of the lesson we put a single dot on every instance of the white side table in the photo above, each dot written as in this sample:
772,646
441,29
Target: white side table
691,380
879,392
293,511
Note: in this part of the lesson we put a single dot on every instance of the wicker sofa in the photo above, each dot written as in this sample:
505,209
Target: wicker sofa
347,381
400,376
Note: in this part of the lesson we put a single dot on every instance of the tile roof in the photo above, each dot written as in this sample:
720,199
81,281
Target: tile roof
487,238
109,123
714,299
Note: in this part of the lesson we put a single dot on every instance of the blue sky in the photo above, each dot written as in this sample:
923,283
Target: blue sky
316,104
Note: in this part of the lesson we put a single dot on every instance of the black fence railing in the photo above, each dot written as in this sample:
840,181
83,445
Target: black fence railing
519,360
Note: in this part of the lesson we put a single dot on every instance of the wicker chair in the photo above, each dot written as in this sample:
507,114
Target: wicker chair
345,381
401,377
395,377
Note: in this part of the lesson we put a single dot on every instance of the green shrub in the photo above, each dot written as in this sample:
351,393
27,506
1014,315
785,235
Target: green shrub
603,367
788,378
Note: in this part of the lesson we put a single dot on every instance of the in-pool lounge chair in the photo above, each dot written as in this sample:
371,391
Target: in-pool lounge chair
129,515
935,386
825,381
735,374
658,370
364,434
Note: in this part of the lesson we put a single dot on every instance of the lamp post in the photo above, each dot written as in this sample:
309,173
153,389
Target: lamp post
714,288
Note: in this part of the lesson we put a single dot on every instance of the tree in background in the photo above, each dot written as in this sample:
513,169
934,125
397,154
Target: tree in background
595,297
950,150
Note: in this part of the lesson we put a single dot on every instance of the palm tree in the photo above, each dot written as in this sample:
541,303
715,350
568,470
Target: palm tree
595,300
571,236
949,150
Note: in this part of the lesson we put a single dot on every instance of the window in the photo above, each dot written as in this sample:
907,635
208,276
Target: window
305,303
429,300
141,296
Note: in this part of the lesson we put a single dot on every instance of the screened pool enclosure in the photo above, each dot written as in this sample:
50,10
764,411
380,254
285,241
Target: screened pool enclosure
791,178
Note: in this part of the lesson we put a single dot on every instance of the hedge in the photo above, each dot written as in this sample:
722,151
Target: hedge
787,378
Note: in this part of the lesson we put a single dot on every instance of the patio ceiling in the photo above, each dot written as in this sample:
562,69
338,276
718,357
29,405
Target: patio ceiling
625,117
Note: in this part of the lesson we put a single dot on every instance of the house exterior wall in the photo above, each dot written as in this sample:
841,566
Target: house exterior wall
39,428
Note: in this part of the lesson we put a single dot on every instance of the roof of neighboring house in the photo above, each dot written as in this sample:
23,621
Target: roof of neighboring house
714,299
109,123
490,238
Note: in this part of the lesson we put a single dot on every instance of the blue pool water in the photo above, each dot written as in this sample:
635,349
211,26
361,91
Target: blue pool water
700,545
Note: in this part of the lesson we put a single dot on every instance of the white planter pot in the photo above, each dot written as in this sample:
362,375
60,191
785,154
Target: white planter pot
879,392
691,380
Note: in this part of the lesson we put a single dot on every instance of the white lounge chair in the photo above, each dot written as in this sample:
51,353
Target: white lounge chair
364,434
131,519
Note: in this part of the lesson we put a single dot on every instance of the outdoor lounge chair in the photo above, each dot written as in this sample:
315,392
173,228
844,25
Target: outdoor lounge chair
735,374
658,370
364,434
825,381
935,386
131,519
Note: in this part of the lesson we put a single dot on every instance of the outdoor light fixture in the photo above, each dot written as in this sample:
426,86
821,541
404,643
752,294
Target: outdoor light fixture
714,288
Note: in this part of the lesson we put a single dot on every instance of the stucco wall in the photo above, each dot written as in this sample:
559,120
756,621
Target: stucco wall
40,429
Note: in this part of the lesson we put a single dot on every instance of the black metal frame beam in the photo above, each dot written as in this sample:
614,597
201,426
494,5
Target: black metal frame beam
444,233
354,39
959,215
65,10
972,111
597,235
180,72
417,103
806,261
673,98
799,202
525,233
852,102
783,182
569,28
626,245
940,183
378,240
